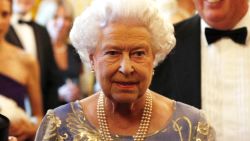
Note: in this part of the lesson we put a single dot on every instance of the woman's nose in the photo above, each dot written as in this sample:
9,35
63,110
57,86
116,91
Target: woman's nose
126,65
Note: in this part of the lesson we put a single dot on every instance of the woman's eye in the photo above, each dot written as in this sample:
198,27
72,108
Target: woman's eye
139,53
5,14
111,53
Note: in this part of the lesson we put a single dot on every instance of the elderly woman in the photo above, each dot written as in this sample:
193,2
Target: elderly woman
123,40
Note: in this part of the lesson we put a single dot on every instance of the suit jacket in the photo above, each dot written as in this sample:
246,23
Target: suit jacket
179,75
44,54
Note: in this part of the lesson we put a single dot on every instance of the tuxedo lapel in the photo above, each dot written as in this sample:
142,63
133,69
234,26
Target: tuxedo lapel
12,37
38,39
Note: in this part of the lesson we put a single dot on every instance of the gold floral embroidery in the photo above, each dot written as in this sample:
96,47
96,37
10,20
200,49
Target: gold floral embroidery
62,138
178,128
79,128
203,128
53,123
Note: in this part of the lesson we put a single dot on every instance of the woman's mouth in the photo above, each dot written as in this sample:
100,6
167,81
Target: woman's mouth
213,1
127,84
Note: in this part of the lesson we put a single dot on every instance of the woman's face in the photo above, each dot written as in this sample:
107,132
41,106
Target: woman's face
123,62
5,14
60,26
64,18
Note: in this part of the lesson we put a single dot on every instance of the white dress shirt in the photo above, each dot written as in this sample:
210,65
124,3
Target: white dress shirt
25,33
226,85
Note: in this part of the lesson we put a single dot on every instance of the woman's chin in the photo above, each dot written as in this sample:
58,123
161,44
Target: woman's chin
125,98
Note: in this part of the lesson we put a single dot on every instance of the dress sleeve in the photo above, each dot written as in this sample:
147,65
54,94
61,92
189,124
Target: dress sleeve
47,131
204,130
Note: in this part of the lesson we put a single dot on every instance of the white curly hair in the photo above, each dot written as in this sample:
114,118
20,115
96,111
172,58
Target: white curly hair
87,27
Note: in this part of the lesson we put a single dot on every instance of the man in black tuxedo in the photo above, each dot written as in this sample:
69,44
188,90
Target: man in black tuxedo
33,38
209,68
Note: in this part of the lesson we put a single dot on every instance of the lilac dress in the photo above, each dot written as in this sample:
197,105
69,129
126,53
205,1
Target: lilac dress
12,89
68,123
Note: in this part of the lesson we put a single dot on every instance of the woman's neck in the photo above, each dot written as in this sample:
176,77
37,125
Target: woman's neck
124,119
125,109
2,43
59,43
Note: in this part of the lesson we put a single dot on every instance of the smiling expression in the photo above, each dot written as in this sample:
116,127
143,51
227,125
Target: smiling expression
221,14
123,62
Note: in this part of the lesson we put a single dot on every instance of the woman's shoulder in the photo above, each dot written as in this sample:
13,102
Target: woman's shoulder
73,109
89,101
15,61
15,50
189,112
21,55
66,122
194,117
64,110
63,113
12,52
57,123
187,109
178,108
186,121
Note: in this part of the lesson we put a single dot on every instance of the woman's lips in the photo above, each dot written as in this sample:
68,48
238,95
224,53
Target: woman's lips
126,85
213,1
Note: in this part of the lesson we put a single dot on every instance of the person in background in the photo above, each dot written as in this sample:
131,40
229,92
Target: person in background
34,39
69,66
123,40
177,10
19,78
45,11
209,68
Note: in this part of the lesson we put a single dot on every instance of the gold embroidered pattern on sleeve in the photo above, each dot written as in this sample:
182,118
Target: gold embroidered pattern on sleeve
77,125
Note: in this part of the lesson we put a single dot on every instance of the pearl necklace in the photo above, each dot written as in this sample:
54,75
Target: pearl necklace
144,124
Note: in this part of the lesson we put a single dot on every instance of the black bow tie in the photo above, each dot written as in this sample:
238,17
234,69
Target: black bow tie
238,35
25,22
